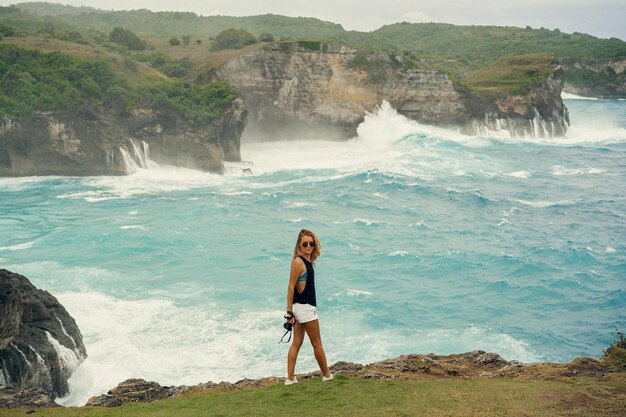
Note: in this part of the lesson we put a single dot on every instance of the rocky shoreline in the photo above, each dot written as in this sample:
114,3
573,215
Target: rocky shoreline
99,140
470,365
477,364
37,335
312,90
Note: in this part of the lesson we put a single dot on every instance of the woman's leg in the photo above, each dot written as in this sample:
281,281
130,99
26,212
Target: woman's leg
296,343
312,328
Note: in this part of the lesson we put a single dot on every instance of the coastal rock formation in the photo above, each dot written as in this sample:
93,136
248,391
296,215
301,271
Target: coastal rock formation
28,398
105,141
599,78
300,89
40,343
475,364
135,390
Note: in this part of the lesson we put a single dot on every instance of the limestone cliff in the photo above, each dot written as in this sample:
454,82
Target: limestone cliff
40,343
296,90
599,78
104,141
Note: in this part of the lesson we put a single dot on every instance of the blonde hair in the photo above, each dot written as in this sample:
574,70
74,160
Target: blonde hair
317,250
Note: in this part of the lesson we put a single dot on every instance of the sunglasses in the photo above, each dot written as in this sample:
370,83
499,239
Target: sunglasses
307,244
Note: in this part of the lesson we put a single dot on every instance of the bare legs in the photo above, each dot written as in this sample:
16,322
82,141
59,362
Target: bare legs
296,343
312,329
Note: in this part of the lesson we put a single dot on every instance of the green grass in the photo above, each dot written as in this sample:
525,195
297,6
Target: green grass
511,75
361,397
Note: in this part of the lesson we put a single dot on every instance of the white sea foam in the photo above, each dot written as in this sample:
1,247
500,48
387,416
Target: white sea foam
146,181
519,174
559,170
297,204
401,253
298,220
569,96
133,226
609,250
65,332
542,204
68,358
234,193
21,246
366,222
156,340
355,293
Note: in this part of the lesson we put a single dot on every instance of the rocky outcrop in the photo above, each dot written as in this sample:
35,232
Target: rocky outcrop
135,390
475,364
28,398
303,90
599,78
540,113
106,141
40,344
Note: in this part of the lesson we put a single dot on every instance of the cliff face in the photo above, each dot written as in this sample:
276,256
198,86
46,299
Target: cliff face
40,343
601,78
291,91
103,141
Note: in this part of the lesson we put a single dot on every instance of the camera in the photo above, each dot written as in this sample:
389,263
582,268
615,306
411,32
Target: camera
287,326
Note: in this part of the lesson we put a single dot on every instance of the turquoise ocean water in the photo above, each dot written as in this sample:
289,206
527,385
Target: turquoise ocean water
432,242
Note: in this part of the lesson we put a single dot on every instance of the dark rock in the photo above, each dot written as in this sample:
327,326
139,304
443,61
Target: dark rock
28,398
93,141
346,368
482,358
136,390
40,343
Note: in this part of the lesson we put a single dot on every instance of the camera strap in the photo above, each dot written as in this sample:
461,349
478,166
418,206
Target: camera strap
281,339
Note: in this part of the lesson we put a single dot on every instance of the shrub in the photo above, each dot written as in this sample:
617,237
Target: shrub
174,41
232,39
31,80
8,31
266,37
127,38
35,81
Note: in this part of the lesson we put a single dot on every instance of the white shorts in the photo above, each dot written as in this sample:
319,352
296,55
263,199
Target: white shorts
304,312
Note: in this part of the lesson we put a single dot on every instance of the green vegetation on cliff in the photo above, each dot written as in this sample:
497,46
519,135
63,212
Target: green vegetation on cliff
475,57
31,80
232,39
514,75
455,50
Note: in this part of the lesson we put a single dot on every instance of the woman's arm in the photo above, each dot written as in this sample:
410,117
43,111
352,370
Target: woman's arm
297,269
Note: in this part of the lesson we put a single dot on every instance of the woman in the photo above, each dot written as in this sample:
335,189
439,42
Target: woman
301,304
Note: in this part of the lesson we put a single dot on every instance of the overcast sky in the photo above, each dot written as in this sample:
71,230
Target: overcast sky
602,18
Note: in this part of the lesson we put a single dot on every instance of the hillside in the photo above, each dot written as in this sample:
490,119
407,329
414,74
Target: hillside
473,46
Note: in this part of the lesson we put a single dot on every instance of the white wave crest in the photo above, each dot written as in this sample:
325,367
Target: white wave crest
542,204
401,253
355,293
519,174
569,96
21,246
559,170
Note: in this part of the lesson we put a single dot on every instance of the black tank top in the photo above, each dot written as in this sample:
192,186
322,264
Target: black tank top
308,295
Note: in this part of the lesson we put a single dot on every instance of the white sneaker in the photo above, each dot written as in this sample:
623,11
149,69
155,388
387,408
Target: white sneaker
291,381
327,379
